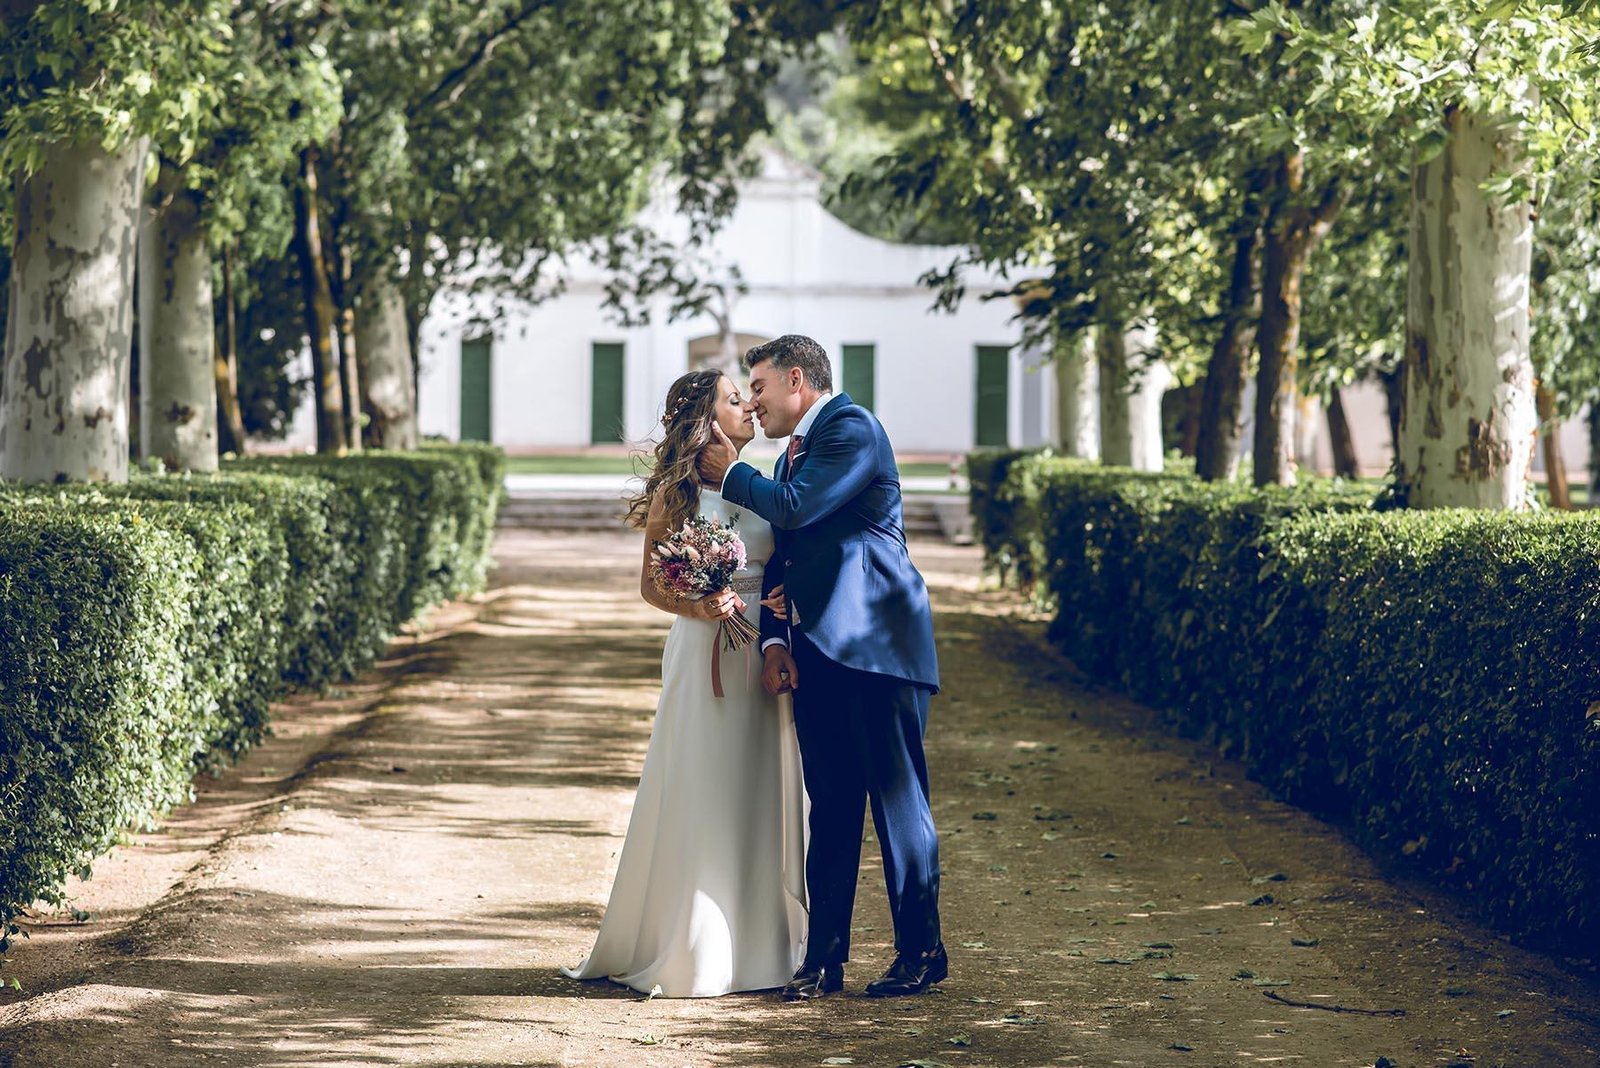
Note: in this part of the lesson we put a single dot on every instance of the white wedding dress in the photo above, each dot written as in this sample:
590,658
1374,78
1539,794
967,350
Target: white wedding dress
709,896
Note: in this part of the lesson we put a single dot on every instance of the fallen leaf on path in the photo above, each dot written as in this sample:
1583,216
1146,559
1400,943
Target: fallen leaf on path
1175,977
960,1038
1307,942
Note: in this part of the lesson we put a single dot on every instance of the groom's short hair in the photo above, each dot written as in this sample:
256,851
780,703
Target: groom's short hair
795,350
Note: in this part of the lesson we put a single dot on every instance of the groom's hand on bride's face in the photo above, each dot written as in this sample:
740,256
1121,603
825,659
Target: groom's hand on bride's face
779,674
717,457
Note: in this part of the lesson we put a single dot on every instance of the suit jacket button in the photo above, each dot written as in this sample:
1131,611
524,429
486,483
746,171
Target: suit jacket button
788,563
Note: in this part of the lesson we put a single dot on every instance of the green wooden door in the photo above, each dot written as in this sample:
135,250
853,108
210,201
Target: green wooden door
476,422
861,374
605,405
994,394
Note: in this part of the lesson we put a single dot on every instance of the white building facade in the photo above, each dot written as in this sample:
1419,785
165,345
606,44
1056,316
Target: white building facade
562,374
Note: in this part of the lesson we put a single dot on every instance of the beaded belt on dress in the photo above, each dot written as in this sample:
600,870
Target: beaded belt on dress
743,584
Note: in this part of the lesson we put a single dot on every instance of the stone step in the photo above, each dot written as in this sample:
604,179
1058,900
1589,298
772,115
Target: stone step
926,516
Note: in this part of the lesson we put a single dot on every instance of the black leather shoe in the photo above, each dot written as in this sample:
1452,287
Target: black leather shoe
814,981
911,973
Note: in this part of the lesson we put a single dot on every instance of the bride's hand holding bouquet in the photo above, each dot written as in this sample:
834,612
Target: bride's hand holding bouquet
695,565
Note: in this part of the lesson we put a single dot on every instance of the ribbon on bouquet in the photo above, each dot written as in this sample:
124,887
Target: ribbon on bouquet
737,633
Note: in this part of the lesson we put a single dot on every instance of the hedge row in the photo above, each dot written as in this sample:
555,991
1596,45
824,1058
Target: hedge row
1430,678
146,628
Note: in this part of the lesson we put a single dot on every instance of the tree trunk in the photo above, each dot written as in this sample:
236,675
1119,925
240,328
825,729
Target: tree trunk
349,346
1345,464
325,378
1594,454
1222,396
230,417
1077,422
382,341
177,339
1305,433
1144,407
69,327
1292,231
1130,398
1279,336
350,377
1555,467
1111,365
1394,396
1188,424
1467,429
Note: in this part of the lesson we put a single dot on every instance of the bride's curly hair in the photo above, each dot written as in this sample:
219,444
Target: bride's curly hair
691,404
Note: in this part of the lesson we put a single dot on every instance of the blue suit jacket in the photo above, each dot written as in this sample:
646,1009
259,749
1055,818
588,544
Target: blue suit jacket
841,547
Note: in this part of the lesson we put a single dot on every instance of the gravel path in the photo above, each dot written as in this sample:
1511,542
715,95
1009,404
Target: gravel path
395,879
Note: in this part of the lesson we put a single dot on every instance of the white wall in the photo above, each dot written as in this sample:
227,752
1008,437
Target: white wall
807,273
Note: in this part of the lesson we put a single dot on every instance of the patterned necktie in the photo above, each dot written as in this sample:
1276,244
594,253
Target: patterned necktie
794,450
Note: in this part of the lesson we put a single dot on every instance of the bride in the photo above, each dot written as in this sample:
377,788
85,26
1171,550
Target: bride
709,896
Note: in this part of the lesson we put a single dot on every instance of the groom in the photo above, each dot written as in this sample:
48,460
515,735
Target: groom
857,651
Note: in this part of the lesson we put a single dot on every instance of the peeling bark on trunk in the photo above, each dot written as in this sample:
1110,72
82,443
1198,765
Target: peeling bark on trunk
177,339
1467,430
1555,467
1130,398
382,340
69,328
325,378
1345,463
1292,231
230,417
1222,396
1077,403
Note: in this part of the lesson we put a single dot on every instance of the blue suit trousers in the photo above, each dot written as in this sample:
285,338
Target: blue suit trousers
861,741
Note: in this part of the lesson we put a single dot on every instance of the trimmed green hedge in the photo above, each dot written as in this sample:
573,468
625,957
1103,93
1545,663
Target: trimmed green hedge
145,629
1427,677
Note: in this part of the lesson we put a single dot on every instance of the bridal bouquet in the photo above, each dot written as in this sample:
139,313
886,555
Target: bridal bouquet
699,560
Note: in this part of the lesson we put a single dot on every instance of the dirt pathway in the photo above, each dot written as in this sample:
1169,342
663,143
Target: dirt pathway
396,879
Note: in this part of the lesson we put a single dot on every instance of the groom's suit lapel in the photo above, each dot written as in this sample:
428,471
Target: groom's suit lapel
835,404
